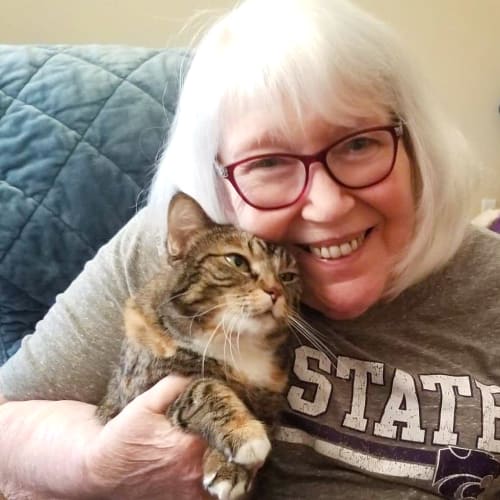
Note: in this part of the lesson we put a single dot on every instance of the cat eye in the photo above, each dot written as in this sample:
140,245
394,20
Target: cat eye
288,277
238,261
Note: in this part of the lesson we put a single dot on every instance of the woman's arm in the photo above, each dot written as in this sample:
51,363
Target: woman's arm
58,449
42,447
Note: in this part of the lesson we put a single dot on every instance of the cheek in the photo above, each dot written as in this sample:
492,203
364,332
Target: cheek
267,224
397,205
404,205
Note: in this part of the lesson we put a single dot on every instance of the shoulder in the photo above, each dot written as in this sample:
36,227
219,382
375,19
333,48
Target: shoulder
134,254
472,275
480,250
468,281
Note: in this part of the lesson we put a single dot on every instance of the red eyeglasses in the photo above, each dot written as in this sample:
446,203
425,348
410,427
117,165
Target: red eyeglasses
276,180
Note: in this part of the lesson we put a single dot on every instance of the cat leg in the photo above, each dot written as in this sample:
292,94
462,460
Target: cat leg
212,409
225,480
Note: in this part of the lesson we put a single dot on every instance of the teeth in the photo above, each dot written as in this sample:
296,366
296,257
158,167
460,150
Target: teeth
345,248
315,251
336,251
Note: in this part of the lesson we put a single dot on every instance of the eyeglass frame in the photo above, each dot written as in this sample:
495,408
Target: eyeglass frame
227,171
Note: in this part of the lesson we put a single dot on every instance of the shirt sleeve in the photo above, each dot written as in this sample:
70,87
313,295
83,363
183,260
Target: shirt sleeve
74,347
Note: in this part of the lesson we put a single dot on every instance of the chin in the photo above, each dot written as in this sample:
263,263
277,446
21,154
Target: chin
345,300
338,312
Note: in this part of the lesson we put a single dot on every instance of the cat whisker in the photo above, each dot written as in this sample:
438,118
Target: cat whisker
319,334
213,308
191,323
225,344
227,340
202,313
176,296
297,336
300,327
223,324
213,334
199,315
238,335
238,340
232,328
236,322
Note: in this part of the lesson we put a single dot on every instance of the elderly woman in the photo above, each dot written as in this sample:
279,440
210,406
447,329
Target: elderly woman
300,121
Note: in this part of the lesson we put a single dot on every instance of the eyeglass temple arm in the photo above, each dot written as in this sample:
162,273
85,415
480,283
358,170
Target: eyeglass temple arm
222,171
399,129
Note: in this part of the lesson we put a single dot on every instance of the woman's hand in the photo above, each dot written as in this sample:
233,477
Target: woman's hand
59,450
139,454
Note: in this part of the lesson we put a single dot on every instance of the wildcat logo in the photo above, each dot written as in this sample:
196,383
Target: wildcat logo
463,474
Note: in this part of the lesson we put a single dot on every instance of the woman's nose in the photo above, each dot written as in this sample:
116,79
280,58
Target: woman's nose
325,199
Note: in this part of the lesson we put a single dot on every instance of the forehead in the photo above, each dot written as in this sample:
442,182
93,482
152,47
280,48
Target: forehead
245,132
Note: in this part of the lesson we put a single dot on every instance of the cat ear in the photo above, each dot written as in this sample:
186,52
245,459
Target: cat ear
185,219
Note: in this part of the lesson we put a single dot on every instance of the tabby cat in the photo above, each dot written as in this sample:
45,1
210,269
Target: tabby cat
218,312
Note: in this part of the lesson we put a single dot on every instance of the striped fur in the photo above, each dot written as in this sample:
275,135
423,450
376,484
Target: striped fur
218,312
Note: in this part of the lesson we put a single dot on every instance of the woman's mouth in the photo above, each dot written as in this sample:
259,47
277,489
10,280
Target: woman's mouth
332,252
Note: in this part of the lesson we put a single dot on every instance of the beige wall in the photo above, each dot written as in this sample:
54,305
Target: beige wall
456,42
152,23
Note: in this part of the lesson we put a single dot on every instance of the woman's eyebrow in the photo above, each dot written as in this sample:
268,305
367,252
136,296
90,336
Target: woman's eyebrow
279,141
263,140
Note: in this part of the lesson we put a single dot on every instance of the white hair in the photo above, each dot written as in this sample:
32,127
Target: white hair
331,58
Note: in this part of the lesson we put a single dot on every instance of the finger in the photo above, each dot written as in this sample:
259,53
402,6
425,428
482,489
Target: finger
162,394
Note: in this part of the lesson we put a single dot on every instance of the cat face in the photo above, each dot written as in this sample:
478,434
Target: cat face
226,282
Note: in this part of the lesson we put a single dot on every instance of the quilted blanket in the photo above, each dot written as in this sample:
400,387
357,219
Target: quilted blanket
80,130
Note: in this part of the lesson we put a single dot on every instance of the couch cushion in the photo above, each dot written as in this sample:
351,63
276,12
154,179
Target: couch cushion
80,130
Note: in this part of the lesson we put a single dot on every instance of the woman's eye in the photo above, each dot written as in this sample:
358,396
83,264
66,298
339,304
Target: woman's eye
238,261
270,161
288,277
359,143
358,147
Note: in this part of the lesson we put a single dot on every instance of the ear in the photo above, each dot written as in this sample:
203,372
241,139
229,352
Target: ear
185,219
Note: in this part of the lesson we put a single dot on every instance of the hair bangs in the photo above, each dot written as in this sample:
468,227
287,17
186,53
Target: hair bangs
302,70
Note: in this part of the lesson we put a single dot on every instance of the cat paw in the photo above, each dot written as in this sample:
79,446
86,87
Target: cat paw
253,453
248,444
229,482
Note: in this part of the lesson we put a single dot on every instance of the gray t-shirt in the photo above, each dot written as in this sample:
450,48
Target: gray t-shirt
404,403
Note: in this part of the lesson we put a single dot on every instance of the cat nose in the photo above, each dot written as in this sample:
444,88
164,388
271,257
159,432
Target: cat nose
274,292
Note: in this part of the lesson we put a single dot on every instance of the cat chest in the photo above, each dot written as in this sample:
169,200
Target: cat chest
246,368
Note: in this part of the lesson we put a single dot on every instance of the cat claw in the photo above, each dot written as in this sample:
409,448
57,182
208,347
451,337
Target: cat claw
253,453
208,479
224,490
225,480
220,490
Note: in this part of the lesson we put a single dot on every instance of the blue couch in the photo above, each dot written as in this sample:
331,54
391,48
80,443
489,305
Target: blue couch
80,131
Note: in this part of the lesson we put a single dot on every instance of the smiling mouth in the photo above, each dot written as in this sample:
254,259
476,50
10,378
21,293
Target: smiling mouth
333,252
